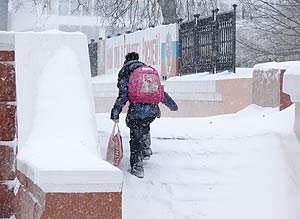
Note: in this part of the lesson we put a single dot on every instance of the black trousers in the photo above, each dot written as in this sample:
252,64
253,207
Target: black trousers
139,139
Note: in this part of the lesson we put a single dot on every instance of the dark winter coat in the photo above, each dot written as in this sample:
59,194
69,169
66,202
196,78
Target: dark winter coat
136,110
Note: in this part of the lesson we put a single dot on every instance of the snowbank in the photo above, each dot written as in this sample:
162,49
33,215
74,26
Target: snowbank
63,121
243,165
56,116
105,79
240,73
253,120
291,67
206,76
291,76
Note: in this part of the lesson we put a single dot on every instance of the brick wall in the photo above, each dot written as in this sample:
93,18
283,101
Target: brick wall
7,133
285,99
32,202
29,200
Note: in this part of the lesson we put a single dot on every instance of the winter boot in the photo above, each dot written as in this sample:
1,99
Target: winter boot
138,170
147,152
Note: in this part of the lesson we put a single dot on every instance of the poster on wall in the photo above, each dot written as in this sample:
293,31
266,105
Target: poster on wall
157,47
169,51
114,54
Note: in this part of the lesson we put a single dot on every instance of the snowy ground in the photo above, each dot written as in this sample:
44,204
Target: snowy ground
230,167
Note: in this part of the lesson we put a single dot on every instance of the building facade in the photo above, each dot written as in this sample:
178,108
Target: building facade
64,15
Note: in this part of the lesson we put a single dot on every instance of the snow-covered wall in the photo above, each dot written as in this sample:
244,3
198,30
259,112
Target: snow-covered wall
197,95
291,85
58,147
52,59
157,47
268,85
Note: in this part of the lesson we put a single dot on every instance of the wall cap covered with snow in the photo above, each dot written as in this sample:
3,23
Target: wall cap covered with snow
104,178
57,136
291,79
7,41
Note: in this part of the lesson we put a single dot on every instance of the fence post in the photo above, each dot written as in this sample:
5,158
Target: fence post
234,39
212,41
93,54
179,21
215,40
196,43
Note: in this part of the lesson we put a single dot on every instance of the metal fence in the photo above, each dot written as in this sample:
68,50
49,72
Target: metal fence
93,53
208,44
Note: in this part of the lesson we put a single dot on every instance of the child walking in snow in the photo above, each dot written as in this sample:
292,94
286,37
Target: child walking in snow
139,115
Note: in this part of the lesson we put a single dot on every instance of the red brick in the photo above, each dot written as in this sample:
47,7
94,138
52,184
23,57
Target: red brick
7,159
6,201
7,82
83,205
25,206
7,122
7,56
29,202
285,99
33,188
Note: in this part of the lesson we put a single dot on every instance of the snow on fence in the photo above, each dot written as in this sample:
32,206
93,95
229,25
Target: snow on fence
157,47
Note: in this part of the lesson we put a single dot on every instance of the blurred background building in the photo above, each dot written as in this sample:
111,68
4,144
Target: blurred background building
64,15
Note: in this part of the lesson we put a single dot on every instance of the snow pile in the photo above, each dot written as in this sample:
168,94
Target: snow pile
206,76
63,134
240,73
291,78
105,79
229,166
291,67
253,120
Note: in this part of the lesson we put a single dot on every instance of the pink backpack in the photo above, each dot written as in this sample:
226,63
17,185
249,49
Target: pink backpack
144,86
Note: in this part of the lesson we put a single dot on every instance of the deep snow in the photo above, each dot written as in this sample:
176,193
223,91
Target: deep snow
205,76
229,166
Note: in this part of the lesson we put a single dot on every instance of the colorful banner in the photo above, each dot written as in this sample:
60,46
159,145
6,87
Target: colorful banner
157,47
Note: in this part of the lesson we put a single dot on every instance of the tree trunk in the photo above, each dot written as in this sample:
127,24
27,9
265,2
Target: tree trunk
3,14
168,9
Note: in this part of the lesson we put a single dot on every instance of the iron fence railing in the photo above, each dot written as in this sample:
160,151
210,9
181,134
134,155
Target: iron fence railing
208,44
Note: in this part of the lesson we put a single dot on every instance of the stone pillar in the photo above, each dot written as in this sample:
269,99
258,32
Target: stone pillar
7,126
285,99
297,120
268,90
291,86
